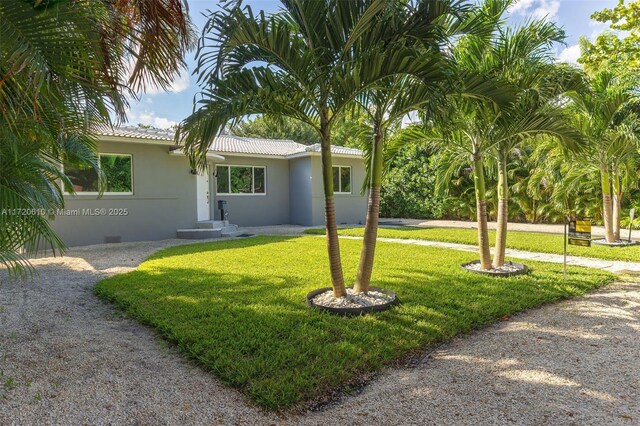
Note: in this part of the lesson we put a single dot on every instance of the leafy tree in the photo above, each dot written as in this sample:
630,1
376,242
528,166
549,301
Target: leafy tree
408,189
620,53
276,128
65,67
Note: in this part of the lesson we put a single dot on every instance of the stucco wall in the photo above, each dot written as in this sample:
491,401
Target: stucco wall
300,184
271,208
163,200
350,208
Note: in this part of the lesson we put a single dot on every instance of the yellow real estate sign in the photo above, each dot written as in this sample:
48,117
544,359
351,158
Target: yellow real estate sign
580,233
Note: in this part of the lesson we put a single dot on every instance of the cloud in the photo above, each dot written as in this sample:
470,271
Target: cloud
149,118
536,8
570,54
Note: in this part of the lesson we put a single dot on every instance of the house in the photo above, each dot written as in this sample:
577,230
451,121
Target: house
152,193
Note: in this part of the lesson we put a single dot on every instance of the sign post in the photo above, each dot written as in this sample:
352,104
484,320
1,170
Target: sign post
632,213
579,235
564,274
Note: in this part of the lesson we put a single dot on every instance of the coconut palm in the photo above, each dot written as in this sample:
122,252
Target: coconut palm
307,62
65,67
610,131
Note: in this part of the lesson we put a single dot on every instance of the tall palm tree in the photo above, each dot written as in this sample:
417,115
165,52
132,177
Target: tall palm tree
389,101
307,62
610,131
478,133
523,58
65,67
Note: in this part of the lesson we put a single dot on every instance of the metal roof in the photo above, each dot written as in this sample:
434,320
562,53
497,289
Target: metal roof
231,144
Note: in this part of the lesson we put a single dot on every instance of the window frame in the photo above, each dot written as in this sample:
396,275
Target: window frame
339,191
93,193
253,181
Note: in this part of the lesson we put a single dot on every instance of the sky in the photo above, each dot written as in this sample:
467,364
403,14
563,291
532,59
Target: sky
164,109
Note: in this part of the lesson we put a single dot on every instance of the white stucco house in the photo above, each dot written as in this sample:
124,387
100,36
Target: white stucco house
153,194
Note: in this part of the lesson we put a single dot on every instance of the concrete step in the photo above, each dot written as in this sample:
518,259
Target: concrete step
229,228
212,224
198,233
231,233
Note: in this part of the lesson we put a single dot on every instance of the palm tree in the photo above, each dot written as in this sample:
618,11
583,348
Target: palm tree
307,62
523,58
385,104
65,67
610,132
562,185
461,133
389,101
473,131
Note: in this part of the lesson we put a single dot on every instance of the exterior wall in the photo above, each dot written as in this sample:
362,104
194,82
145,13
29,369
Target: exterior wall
164,197
163,200
271,208
350,208
300,187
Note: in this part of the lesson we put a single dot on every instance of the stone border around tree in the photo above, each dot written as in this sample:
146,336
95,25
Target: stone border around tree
521,269
351,311
619,243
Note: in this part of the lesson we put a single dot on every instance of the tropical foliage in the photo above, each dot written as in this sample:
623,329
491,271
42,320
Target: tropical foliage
67,67
319,58
507,151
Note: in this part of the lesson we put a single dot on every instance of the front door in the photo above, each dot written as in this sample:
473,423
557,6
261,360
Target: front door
204,195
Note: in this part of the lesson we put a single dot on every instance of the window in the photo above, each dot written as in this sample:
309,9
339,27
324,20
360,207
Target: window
342,179
240,180
117,169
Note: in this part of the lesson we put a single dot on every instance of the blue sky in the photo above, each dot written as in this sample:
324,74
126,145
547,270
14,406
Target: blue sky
163,109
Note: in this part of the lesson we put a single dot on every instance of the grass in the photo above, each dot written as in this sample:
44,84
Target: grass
520,240
238,308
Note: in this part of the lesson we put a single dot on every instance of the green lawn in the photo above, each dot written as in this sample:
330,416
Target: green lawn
238,308
529,241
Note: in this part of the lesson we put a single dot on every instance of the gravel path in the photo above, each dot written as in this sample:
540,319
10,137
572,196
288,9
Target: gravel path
66,357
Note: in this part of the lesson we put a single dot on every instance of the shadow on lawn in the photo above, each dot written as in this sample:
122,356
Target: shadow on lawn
572,363
248,322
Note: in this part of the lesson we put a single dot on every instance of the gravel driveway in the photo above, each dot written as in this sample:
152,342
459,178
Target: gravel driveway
66,357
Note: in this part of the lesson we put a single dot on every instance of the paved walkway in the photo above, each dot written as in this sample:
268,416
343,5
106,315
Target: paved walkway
596,231
607,265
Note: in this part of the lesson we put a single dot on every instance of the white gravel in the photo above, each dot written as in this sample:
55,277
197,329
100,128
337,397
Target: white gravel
68,358
352,299
506,268
617,243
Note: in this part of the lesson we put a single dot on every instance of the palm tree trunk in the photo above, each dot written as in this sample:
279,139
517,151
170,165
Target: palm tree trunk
333,243
607,206
617,204
481,212
367,254
503,211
